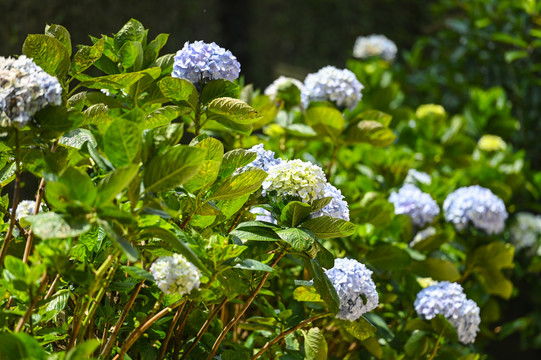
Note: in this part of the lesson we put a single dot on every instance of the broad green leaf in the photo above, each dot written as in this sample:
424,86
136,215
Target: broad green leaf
165,63
306,293
388,257
234,160
326,227
324,256
122,141
86,56
153,48
294,213
228,109
418,344
133,30
361,328
496,255
130,55
208,172
231,206
48,53
163,116
509,39
322,284
254,265
72,187
111,82
238,185
16,267
56,304
20,346
76,138
298,239
319,204
379,116
371,132
116,181
59,118
219,88
315,346
7,174
61,34
442,326
325,121
173,167
138,273
437,269
494,282
255,233
129,250
511,56
83,351
162,137
52,225
179,91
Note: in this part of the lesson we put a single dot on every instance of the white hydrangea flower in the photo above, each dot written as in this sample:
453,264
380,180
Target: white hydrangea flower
329,83
353,282
417,177
423,235
525,230
25,208
282,81
337,208
264,160
175,275
477,205
263,215
24,90
295,178
374,45
449,300
419,206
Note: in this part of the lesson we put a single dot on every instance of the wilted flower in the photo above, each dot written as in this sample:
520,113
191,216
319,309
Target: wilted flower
337,208
329,83
525,230
417,177
419,206
449,300
25,88
491,143
353,284
477,205
280,83
295,178
201,62
263,215
374,45
175,275
264,160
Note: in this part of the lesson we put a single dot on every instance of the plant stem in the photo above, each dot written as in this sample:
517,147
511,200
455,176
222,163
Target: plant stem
180,330
33,303
333,160
237,317
163,347
51,288
237,218
198,108
136,333
285,333
15,201
435,351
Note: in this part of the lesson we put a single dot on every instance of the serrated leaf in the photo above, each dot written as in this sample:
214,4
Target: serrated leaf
235,159
315,346
294,213
48,53
320,203
163,116
61,34
133,30
179,91
111,82
233,110
379,116
50,225
76,138
255,233
361,328
86,56
298,239
7,174
219,88
241,184
130,55
72,187
173,167
325,121
388,257
326,227
442,326
152,50
122,141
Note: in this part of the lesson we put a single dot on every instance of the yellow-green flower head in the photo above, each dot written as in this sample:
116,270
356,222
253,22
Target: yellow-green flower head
296,178
430,112
491,143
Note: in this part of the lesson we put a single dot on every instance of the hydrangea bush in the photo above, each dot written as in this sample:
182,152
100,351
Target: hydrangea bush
190,217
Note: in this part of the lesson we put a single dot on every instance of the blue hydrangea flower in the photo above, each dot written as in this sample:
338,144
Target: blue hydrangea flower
25,88
525,231
417,177
477,205
374,45
353,281
264,160
263,215
419,206
329,83
201,62
337,208
448,299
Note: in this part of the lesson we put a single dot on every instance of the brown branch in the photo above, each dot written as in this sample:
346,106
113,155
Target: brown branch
180,330
163,347
28,312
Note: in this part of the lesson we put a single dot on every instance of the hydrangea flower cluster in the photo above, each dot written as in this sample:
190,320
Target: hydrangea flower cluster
332,84
491,143
264,160
175,275
353,281
263,215
477,205
201,62
337,208
281,82
449,300
25,208
417,177
419,206
525,230
423,235
295,178
374,45
24,90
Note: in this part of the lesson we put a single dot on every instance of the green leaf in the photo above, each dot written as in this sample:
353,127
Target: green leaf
322,284
7,174
122,141
48,53
255,233
298,239
511,56
56,304
320,203
326,227
379,116
230,207
83,351
371,132
20,346
208,172
306,293
61,34
315,346
52,225
494,282
418,344
509,39
163,116
111,82
173,167
388,257
133,30
326,121
130,55
234,160
361,328
228,109
241,184
59,118
253,265
138,273
179,91
129,250
76,138
72,187
116,181
16,267
437,269
152,50
324,256
294,213
163,136
86,56
219,88
442,326
496,255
